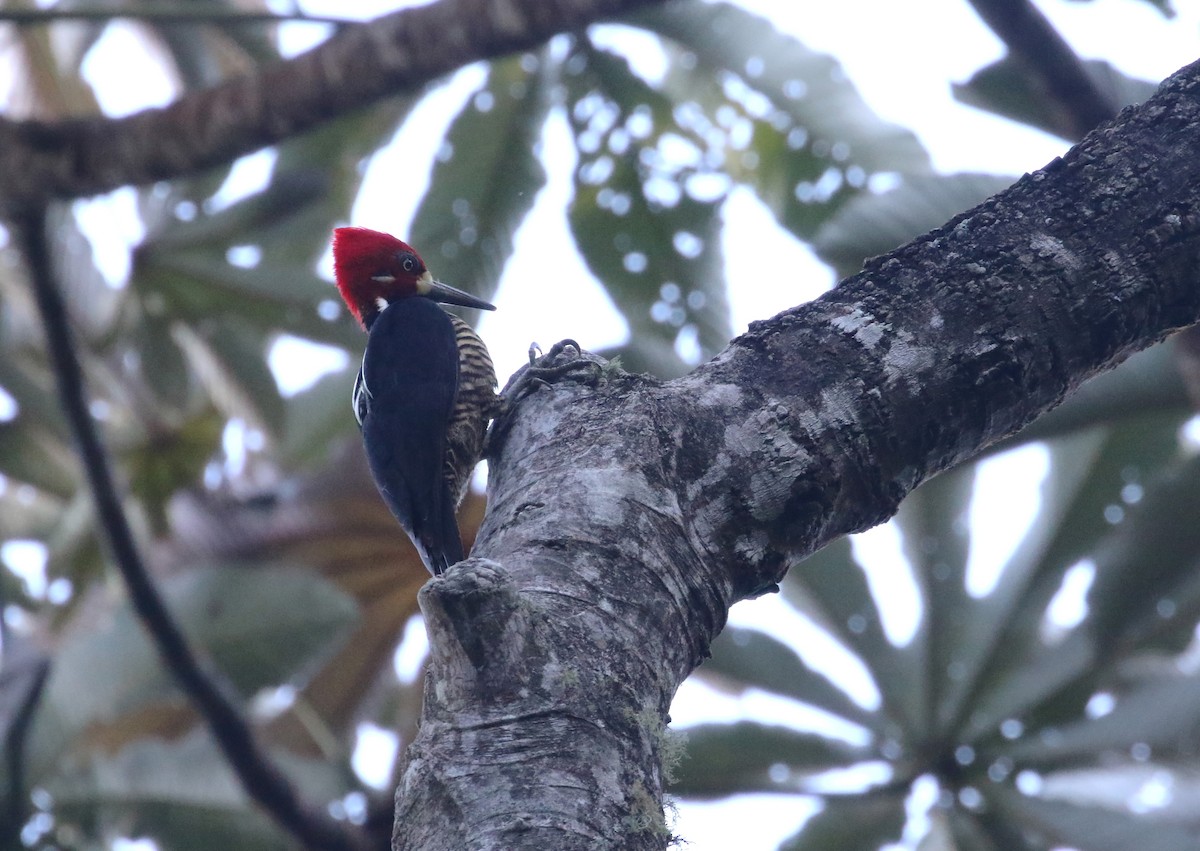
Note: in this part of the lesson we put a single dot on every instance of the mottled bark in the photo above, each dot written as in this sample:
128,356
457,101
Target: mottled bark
359,65
625,518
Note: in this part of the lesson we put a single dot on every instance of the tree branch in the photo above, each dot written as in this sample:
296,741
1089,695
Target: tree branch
204,685
163,15
1033,41
624,519
357,66
958,339
23,672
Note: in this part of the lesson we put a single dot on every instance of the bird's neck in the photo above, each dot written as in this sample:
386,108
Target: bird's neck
371,310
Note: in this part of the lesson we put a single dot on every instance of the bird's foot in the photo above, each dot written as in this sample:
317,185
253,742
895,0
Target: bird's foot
565,361
565,358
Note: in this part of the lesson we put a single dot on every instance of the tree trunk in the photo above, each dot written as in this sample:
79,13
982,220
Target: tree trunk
625,518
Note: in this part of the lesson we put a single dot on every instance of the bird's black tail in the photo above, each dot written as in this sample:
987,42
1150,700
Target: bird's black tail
441,546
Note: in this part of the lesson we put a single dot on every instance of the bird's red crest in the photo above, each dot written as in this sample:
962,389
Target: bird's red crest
367,268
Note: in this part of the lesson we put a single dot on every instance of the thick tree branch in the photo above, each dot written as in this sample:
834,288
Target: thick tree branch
958,339
624,519
204,685
357,66
1033,41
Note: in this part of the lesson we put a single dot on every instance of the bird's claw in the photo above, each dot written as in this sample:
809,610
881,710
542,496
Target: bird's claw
564,358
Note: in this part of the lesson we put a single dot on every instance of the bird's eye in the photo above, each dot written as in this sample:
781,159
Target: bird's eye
409,263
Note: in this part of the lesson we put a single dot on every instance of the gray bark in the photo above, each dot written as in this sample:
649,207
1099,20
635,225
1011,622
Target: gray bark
625,518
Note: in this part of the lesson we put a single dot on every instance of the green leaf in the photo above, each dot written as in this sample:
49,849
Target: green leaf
753,659
798,179
869,225
314,182
169,461
1160,713
285,197
860,821
1022,671
969,834
25,511
1093,828
195,287
800,184
1129,453
201,61
809,87
485,181
90,301
181,793
1070,463
813,142
230,361
722,759
203,285
1113,786
654,246
1019,688
161,363
830,587
1009,89
33,388
335,155
262,626
1003,833
317,419
933,523
183,269
29,454
1148,557
939,837
73,545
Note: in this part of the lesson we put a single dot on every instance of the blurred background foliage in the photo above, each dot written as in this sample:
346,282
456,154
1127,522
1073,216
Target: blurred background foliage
998,727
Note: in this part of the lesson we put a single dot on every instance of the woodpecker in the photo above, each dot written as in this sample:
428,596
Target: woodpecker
426,389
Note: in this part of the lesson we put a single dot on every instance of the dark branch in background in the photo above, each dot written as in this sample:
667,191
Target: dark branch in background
160,15
1034,42
206,688
23,672
357,66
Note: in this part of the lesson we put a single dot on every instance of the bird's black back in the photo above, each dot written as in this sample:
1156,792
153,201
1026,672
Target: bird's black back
410,378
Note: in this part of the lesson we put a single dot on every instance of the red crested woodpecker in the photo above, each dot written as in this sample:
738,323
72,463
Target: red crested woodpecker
426,390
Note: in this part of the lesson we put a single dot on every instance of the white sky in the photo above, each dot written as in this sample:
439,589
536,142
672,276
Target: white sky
902,57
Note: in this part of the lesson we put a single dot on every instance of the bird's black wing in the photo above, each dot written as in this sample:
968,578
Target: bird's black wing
404,397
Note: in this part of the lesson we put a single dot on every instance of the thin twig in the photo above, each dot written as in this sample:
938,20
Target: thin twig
22,676
163,15
1035,43
207,687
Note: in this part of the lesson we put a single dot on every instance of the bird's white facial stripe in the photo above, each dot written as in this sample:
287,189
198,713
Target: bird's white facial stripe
383,279
425,283
382,303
